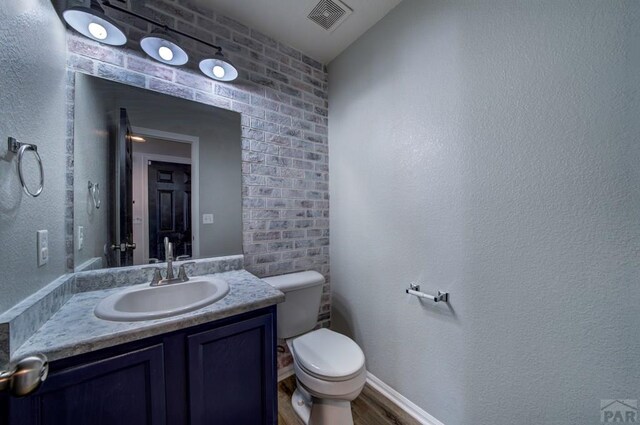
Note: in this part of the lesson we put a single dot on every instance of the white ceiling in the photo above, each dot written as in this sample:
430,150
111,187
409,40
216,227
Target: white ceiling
286,21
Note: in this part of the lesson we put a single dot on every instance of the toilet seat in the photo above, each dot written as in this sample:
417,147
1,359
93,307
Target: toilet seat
329,379
321,388
328,355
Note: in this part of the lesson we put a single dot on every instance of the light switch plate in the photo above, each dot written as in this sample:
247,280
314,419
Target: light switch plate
207,218
43,247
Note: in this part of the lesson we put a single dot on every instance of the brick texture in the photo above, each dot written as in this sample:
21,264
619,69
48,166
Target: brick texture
282,96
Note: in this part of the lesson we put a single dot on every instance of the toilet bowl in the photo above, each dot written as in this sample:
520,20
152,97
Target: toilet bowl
329,366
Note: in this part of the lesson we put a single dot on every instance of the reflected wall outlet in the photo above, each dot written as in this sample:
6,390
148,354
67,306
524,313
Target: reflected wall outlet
207,218
43,247
80,237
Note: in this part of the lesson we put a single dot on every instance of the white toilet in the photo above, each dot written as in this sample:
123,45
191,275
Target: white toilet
329,366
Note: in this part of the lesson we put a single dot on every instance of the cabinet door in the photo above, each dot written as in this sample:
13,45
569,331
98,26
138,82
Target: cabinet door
232,374
125,389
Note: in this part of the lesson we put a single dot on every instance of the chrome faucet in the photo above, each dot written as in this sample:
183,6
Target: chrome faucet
168,255
170,277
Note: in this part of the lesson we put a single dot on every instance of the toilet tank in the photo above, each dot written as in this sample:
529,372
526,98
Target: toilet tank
299,312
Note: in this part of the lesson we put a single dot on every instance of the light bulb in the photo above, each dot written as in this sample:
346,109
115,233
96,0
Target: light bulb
165,53
98,31
218,71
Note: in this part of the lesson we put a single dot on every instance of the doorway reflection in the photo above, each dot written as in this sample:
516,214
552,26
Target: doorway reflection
162,201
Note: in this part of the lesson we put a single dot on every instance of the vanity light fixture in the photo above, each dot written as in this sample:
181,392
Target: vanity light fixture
219,68
163,47
159,44
93,23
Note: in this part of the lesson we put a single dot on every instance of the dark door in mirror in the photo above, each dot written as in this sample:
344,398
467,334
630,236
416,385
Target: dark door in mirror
169,209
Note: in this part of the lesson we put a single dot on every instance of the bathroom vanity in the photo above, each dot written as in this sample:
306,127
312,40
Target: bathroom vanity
222,373
216,364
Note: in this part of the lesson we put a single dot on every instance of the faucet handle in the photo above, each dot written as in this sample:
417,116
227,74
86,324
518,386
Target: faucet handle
157,275
182,273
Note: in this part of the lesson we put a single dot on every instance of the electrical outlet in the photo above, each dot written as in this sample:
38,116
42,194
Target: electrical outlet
80,237
207,218
43,247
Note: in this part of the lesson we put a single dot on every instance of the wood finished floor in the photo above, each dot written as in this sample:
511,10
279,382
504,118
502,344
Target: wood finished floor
370,408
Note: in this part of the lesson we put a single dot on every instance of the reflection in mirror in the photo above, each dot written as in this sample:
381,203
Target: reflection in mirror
148,166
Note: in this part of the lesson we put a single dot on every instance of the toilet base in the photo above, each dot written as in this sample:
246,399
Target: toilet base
315,411
301,402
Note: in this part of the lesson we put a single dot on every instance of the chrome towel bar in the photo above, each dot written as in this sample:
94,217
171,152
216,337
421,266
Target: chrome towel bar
440,297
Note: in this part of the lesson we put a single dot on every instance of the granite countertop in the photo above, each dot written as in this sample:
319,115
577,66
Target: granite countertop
74,329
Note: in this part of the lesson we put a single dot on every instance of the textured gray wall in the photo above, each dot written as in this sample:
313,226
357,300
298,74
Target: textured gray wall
220,192
163,147
490,149
32,99
91,163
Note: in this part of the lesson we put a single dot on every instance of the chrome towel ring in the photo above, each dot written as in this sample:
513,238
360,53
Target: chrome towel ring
20,149
94,190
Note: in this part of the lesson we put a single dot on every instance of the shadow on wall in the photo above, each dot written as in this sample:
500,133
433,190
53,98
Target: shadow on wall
341,318
10,191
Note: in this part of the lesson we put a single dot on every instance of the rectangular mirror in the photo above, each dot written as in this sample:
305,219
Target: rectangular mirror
148,166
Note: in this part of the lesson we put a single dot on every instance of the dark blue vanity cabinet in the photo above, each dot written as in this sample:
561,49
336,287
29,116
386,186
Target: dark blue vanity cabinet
220,373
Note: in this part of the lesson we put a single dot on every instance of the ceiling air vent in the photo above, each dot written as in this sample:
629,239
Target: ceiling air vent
329,14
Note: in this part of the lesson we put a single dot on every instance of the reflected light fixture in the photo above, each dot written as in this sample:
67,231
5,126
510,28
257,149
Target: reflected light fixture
93,23
159,44
163,47
138,139
219,68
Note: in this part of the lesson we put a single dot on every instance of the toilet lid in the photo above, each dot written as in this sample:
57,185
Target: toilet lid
328,354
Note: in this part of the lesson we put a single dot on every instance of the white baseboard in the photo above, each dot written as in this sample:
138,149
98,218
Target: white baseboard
285,372
401,401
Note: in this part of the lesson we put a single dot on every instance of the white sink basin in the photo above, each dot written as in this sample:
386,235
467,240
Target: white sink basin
144,302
